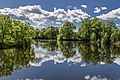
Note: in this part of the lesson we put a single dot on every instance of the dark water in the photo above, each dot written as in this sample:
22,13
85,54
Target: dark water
66,60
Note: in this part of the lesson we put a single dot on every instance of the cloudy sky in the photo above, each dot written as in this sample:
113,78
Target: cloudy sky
43,13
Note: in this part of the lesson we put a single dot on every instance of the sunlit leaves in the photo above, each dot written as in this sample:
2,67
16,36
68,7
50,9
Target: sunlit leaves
66,32
15,33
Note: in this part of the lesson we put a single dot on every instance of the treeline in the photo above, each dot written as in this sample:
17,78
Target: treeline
21,34
47,33
92,30
15,33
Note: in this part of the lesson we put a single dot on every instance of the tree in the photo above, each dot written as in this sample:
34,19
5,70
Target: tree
51,32
5,29
15,33
107,31
23,33
66,32
84,30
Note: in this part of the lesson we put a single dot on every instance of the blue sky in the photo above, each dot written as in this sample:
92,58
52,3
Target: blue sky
101,8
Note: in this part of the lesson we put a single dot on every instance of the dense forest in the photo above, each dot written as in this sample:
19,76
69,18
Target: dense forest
15,33
21,34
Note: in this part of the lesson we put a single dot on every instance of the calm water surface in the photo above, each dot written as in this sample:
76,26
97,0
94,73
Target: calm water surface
66,60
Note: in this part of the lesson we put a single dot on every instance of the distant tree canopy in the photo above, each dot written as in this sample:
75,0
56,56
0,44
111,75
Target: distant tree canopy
66,32
15,33
92,30
47,33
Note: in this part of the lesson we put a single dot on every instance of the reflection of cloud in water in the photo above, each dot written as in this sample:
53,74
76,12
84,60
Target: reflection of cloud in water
101,63
84,64
88,77
117,60
42,55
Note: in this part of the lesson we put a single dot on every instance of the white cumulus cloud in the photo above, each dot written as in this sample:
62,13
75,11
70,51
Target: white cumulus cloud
103,8
37,16
114,14
97,10
58,23
84,6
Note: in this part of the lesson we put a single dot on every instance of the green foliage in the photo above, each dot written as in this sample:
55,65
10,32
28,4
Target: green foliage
15,33
48,33
94,30
51,32
84,30
66,32
19,34
115,36
91,30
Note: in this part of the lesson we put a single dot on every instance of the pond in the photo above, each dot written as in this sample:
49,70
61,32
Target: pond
61,60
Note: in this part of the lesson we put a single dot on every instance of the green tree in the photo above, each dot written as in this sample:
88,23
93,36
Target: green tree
66,32
107,31
15,33
51,32
84,30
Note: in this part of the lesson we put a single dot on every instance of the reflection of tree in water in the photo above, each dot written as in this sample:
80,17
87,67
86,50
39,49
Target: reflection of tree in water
67,48
14,59
96,53
50,45
91,52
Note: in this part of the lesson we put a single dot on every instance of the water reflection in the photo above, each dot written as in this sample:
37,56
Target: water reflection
14,59
95,53
68,52
73,51
67,48
88,77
